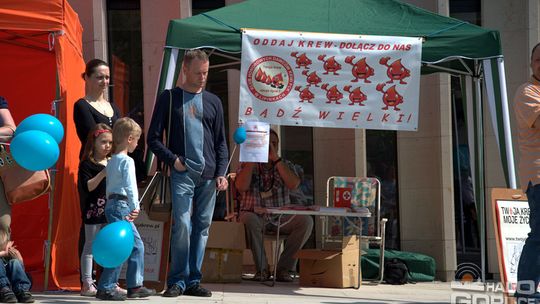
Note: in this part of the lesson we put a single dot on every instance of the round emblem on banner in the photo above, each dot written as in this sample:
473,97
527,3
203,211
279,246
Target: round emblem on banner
270,78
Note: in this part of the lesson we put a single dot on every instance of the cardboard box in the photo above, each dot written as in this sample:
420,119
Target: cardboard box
229,235
224,253
222,265
340,242
331,268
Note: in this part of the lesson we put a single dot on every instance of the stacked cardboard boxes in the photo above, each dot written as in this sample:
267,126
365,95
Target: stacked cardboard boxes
224,250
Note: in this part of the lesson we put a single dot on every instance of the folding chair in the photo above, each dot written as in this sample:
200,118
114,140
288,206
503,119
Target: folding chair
232,213
232,209
360,192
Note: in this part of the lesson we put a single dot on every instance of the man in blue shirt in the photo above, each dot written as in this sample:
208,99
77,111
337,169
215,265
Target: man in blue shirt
197,154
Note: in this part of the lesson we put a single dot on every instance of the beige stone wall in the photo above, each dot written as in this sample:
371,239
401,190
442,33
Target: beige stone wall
154,23
93,18
233,83
333,155
426,199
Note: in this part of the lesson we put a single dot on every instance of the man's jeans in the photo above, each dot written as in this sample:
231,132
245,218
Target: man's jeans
193,200
115,211
12,274
529,263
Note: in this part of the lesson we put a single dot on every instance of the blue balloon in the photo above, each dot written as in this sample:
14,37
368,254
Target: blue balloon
113,244
240,135
35,150
42,122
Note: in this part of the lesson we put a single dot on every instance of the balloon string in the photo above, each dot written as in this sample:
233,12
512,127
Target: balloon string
230,160
229,163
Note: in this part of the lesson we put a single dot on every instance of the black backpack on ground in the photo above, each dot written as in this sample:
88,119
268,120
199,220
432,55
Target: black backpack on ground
396,272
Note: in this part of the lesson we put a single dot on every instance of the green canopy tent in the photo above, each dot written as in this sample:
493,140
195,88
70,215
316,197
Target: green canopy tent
450,45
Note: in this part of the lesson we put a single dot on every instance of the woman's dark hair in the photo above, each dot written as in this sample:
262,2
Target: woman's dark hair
92,65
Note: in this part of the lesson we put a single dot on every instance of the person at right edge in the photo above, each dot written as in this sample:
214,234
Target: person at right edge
197,154
527,112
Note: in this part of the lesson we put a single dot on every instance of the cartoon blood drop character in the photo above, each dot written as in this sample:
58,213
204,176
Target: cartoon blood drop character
396,70
277,81
312,78
259,75
360,69
330,65
355,96
332,94
305,94
267,79
302,60
391,97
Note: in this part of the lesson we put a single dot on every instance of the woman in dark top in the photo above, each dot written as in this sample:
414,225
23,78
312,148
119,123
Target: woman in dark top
94,108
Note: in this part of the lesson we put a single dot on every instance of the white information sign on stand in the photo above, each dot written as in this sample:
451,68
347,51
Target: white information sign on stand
255,148
513,222
511,214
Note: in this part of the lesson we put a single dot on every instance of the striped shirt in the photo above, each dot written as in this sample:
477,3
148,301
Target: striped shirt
527,109
267,188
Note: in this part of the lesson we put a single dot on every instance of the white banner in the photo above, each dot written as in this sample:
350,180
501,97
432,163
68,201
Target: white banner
330,80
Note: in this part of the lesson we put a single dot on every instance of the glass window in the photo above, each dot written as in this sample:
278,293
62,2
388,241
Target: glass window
381,156
125,54
125,61
297,147
201,6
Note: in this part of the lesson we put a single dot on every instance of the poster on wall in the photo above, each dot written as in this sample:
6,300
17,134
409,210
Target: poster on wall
512,227
330,80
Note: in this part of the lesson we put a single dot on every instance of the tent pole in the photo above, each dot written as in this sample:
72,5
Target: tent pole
448,70
171,69
480,175
48,242
498,104
506,125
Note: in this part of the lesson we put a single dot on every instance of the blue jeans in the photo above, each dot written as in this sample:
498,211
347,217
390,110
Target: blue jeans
528,274
117,210
12,274
193,200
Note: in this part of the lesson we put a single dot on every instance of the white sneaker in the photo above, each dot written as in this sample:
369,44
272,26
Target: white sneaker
120,290
88,290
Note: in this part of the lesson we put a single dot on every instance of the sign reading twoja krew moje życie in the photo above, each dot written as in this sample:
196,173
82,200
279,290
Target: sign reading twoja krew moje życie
330,80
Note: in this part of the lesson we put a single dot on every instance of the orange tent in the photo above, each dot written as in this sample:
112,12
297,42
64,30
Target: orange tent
41,60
